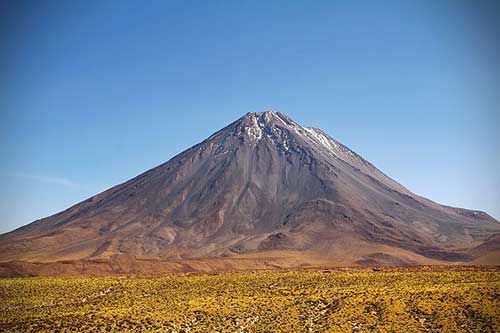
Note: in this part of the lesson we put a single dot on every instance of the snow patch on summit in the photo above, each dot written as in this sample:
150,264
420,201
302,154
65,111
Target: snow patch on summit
254,131
322,139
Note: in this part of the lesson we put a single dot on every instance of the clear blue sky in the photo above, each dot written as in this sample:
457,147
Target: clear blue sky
93,93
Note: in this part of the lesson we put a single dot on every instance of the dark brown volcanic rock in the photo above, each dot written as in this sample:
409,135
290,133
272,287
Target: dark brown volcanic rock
263,183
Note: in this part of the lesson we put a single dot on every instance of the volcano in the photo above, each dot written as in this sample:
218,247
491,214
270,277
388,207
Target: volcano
263,188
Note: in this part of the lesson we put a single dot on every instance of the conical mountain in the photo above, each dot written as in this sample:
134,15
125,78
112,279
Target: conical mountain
262,186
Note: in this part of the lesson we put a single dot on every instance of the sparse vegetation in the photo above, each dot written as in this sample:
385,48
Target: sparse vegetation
467,301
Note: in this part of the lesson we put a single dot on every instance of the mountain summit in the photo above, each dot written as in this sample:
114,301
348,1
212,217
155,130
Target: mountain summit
262,187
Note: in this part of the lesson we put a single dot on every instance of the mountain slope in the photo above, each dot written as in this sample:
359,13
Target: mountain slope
263,184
